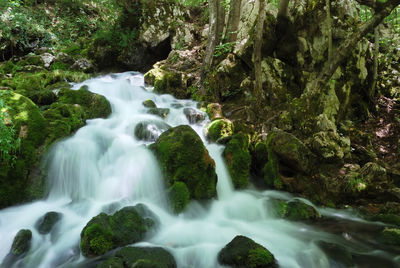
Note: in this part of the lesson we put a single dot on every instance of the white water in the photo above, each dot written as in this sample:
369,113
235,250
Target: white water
103,168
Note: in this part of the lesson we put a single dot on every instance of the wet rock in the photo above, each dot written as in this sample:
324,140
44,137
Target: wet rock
45,224
161,112
337,253
83,65
22,242
47,59
244,252
194,116
238,159
184,158
391,236
214,111
149,104
219,130
150,130
166,82
126,226
294,210
140,257
94,105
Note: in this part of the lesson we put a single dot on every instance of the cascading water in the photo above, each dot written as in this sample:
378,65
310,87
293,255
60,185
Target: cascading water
103,168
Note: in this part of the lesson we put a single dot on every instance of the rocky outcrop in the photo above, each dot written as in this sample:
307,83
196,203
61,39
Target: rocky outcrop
188,169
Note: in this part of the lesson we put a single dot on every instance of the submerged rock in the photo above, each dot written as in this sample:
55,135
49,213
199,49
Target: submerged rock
184,158
194,116
161,112
294,210
219,130
238,159
391,236
45,224
127,257
149,104
244,252
22,242
150,130
126,226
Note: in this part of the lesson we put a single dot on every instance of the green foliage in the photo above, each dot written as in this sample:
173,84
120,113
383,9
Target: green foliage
9,143
223,49
192,3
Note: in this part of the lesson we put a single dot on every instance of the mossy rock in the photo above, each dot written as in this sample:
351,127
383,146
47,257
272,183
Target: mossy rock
238,160
220,130
244,252
214,111
391,236
27,121
179,196
149,104
150,130
293,210
22,242
167,82
389,218
126,226
141,257
95,105
184,158
46,223
31,59
161,112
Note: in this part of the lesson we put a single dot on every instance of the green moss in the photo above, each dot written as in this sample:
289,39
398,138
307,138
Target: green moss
259,257
238,159
183,157
270,170
387,218
297,210
22,242
179,196
219,130
391,236
149,104
104,233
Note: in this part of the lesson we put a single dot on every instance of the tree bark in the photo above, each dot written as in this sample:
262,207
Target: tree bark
220,21
211,42
317,86
375,66
233,20
329,24
283,8
258,90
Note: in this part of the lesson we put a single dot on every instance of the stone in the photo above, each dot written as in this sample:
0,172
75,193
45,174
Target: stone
244,252
238,160
194,116
46,223
141,257
391,236
47,59
150,130
219,130
126,226
214,111
149,104
184,158
161,112
22,242
83,65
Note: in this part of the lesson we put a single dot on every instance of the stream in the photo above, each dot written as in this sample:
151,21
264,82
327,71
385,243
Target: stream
103,168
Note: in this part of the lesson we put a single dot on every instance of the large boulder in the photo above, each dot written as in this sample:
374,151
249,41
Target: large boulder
143,257
22,126
186,164
244,252
238,159
126,226
167,82
220,130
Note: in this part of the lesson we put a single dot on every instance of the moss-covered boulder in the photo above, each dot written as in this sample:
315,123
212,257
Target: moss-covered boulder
219,130
184,158
21,116
150,130
238,160
294,210
244,252
46,223
95,105
214,111
167,82
126,226
391,236
141,257
22,242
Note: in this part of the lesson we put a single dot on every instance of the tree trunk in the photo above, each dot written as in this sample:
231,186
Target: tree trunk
317,86
375,66
258,90
283,8
233,20
211,42
220,21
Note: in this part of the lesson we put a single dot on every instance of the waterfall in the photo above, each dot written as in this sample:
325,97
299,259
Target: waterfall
103,168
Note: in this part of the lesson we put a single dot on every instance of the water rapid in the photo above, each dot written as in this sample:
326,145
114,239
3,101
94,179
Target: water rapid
103,168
